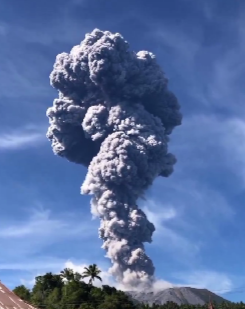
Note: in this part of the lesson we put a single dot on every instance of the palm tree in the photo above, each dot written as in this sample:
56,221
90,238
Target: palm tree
93,272
77,276
67,274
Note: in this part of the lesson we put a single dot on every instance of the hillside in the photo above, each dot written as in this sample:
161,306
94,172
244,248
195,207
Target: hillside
182,295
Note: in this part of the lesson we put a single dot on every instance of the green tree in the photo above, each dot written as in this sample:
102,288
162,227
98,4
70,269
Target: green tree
91,272
22,292
77,276
67,274
44,285
54,298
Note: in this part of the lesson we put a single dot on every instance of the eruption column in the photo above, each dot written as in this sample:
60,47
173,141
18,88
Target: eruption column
113,115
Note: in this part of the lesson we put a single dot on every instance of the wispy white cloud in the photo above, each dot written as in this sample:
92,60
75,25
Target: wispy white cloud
20,81
224,87
209,141
189,208
186,53
30,265
183,46
215,281
192,197
29,283
3,29
40,223
186,214
178,51
166,236
24,137
158,214
27,236
49,34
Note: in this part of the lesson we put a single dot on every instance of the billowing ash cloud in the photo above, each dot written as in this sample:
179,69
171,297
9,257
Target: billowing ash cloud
113,115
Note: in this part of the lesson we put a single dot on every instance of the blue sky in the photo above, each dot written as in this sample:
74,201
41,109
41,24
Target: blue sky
45,223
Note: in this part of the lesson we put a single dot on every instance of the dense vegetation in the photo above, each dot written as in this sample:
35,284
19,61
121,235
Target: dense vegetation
67,290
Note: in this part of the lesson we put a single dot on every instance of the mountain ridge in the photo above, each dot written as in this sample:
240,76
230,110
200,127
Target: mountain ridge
178,295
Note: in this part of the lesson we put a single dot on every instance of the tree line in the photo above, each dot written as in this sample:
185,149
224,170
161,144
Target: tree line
68,290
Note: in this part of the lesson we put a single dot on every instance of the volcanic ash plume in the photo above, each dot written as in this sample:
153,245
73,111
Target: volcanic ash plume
113,115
